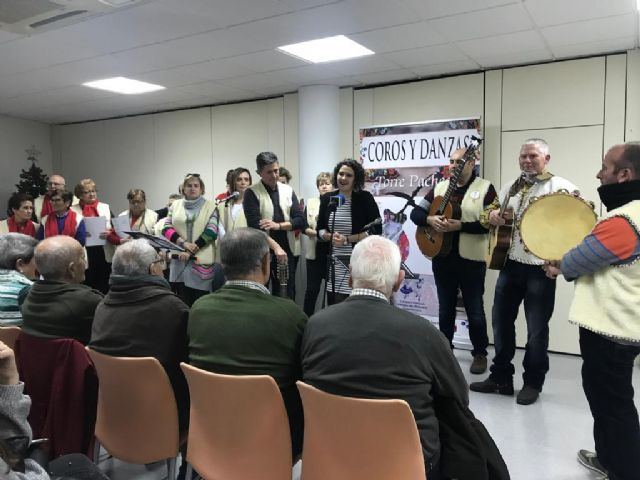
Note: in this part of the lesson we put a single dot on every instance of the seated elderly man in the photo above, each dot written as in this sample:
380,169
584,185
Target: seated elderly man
17,269
142,317
243,330
367,348
59,306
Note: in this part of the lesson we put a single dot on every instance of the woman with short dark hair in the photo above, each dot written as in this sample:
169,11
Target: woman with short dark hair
63,220
20,213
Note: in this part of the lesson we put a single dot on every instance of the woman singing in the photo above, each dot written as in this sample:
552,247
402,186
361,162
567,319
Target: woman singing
192,223
353,208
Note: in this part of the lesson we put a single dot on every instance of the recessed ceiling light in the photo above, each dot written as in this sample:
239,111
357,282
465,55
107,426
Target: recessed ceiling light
326,49
124,85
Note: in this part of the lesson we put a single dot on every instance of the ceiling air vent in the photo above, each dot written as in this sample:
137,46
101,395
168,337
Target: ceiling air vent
28,17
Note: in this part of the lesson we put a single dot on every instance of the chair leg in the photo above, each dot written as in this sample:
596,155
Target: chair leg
171,468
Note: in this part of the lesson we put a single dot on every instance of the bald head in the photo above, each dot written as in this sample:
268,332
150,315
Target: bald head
61,258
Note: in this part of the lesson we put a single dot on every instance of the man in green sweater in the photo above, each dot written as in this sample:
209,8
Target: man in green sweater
241,329
59,306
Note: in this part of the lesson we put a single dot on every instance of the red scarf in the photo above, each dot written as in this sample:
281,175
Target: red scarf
47,208
90,209
27,228
70,225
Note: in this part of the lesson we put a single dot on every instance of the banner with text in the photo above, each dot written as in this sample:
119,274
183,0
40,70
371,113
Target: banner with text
403,162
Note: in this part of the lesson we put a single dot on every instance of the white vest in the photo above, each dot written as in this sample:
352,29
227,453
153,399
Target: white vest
471,246
206,255
4,227
313,209
229,223
145,223
608,301
285,193
37,205
519,204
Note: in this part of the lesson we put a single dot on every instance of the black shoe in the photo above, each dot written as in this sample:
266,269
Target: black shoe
590,460
479,364
489,386
527,395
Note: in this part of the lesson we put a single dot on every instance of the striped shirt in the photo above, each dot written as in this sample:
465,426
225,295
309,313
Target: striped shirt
13,289
612,242
340,253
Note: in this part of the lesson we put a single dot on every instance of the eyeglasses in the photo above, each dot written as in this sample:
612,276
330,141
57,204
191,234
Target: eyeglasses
87,192
160,260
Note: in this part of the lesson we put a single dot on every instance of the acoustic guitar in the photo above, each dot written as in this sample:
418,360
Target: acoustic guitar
500,238
431,242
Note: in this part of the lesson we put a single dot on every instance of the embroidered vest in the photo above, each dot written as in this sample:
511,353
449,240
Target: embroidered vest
207,254
471,246
608,301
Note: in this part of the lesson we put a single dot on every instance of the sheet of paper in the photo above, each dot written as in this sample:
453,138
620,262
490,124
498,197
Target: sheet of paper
95,226
121,225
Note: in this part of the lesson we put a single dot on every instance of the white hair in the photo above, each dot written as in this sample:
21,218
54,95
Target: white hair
541,144
14,247
375,264
133,258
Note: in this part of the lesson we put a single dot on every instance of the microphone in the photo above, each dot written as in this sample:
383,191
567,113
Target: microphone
337,200
377,221
229,197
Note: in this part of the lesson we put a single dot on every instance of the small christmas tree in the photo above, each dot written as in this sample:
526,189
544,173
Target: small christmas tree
32,181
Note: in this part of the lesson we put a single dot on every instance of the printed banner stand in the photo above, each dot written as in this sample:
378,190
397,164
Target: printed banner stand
403,162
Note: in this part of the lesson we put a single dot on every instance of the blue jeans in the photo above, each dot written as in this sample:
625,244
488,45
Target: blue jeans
607,370
519,282
450,274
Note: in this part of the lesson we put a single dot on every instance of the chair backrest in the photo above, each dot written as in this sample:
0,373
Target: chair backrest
8,335
358,439
238,428
60,379
137,419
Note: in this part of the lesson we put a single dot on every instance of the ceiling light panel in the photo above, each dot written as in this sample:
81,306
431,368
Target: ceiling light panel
328,49
126,86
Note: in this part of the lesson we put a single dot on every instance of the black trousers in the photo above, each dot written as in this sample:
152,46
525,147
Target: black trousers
607,370
316,271
450,274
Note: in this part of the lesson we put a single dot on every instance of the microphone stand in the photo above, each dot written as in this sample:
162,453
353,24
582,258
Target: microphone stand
333,207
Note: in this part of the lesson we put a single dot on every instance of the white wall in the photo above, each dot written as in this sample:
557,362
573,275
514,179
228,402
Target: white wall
154,152
581,107
16,136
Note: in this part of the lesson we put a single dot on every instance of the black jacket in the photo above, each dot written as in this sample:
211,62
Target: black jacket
364,210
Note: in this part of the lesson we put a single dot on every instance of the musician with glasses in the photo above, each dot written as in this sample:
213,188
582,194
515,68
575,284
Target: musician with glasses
522,280
463,267
273,207
192,223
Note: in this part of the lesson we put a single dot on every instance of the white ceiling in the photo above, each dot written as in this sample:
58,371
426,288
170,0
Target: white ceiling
215,51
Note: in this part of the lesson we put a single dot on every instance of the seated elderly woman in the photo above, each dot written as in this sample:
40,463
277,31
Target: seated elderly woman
17,268
20,211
